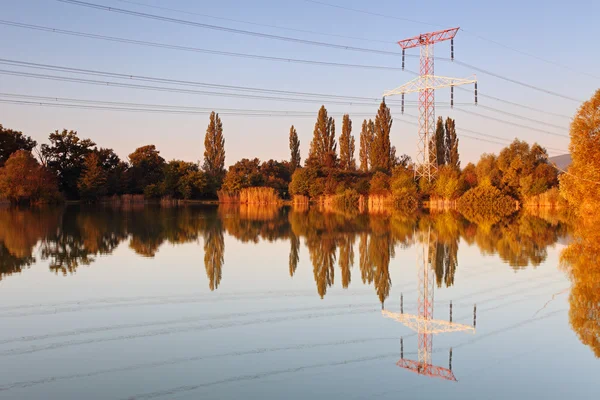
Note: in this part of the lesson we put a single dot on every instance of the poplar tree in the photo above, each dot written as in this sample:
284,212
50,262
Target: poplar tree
347,161
382,152
294,149
451,147
214,148
371,141
363,153
323,146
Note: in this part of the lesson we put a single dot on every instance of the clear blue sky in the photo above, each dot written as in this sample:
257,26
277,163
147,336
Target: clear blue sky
563,32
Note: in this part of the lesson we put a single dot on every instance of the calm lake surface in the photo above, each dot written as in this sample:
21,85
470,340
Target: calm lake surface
207,302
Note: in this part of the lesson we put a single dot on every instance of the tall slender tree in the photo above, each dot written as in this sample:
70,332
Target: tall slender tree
214,149
347,161
451,146
294,149
371,140
323,146
363,151
382,152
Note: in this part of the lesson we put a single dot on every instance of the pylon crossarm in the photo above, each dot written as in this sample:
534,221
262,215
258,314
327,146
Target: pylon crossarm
427,326
429,82
428,38
426,369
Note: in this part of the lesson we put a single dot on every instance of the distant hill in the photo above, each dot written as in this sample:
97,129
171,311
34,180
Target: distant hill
563,161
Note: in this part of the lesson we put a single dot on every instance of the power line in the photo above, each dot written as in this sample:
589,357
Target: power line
253,23
351,100
222,94
512,103
513,123
374,13
297,40
522,117
185,111
226,29
62,102
462,29
194,49
516,82
81,71
256,56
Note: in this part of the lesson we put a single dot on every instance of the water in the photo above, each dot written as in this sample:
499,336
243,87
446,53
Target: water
238,302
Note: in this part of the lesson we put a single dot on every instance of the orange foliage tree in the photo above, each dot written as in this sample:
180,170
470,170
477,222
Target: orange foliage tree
24,180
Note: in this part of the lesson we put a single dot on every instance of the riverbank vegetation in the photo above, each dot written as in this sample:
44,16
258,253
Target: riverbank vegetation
335,172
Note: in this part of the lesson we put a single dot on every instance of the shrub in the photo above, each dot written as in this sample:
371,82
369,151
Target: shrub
486,203
380,184
404,189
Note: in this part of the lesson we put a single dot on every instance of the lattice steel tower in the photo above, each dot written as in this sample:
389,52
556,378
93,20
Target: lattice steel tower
425,85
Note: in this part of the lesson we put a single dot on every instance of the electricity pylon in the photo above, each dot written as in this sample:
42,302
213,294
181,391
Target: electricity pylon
425,85
423,323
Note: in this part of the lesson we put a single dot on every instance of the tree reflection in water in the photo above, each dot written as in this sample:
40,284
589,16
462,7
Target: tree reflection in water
581,260
74,236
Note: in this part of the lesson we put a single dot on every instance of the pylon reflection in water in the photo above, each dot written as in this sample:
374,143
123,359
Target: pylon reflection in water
423,323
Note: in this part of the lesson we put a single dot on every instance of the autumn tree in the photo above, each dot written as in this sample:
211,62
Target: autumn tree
581,184
323,146
347,161
65,156
146,168
24,180
12,141
92,183
294,150
243,174
381,158
452,158
365,146
214,150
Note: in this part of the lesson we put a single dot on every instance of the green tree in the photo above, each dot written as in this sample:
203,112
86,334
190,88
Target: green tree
452,158
347,161
487,169
302,181
92,183
404,189
382,149
243,174
182,180
437,146
294,150
365,146
12,141
448,184
276,175
323,146
147,168
65,156
214,150
24,180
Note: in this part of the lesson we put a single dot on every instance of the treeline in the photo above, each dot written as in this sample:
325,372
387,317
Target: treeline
74,168
71,237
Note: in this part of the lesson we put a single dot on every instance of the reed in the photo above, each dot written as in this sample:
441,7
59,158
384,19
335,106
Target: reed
259,195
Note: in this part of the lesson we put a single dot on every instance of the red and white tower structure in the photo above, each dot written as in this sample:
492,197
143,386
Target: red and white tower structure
425,85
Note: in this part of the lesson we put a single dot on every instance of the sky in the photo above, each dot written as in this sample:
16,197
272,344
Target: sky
548,45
